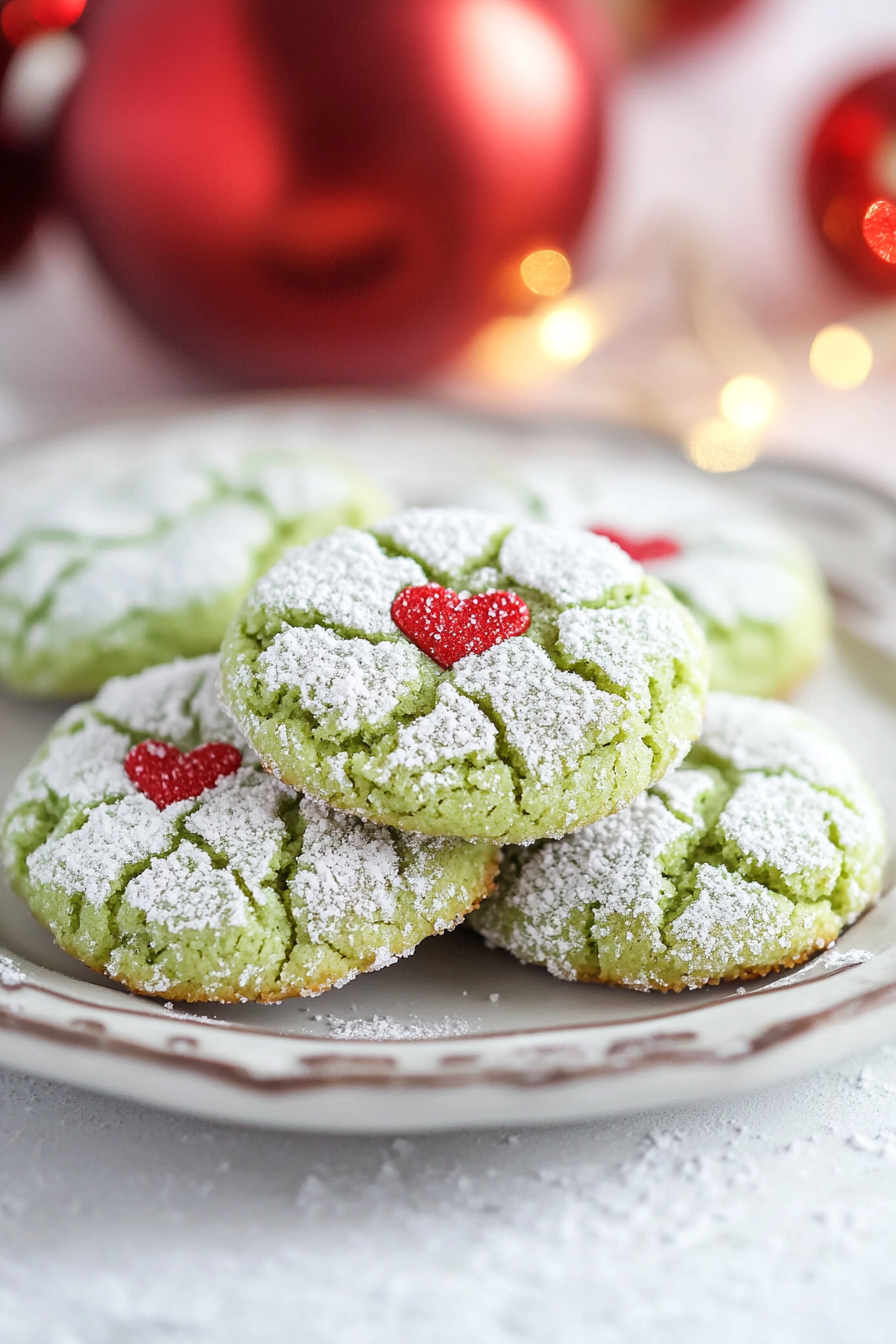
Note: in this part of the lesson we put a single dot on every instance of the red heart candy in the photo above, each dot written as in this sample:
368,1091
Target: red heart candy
642,549
167,776
448,627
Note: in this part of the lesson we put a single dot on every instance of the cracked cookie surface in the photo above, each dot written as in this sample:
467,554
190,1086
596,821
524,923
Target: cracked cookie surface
752,584
753,854
536,736
247,891
126,565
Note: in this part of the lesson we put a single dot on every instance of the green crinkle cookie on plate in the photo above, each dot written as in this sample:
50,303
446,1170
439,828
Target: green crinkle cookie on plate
147,838
452,673
752,855
752,584
110,564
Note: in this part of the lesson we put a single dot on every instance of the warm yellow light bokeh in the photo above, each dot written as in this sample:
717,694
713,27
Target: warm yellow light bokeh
567,333
507,352
748,403
841,357
717,445
546,272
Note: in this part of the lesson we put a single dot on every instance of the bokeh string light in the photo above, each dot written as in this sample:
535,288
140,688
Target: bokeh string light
546,272
841,357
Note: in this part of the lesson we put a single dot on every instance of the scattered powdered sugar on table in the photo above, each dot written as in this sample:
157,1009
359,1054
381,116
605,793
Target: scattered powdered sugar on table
447,540
345,578
570,567
387,1028
547,714
11,975
344,683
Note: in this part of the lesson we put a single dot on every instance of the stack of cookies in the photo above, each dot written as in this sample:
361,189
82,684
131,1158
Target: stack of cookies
450,711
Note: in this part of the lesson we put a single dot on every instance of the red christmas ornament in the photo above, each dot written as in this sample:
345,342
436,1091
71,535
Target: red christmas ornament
167,775
642,549
851,181
308,190
447,627
649,25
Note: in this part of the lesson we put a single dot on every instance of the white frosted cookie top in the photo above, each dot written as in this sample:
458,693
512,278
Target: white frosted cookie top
730,588
782,822
456,729
185,890
447,540
202,858
345,578
730,920
715,868
344,683
86,549
771,736
568,566
735,564
626,643
546,713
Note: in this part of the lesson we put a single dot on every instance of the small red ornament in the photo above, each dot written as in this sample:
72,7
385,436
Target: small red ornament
851,181
642,549
448,627
167,776
318,190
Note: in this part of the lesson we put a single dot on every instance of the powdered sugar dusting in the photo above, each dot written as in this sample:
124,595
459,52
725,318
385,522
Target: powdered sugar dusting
770,736
347,866
456,729
185,891
782,821
344,683
156,702
626,643
447,540
547,715
386,1028
730,588
731,922
115,836
568,566
240,819
345,579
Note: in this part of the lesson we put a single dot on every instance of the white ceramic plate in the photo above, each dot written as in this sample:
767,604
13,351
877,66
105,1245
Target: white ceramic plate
459,1035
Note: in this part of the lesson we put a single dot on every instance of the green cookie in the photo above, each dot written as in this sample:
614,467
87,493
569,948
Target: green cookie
754,587
246,891
119,566
536,735
752,855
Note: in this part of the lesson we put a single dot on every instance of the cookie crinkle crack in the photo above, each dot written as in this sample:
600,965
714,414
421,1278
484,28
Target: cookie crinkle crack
751,856
452,673
123,565
147,838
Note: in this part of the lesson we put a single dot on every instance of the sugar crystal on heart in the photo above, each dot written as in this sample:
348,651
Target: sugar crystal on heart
641,549
448,627
167,775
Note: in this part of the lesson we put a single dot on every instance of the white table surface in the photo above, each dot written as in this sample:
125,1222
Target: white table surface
769,1216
